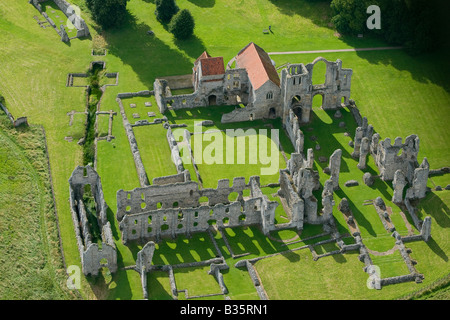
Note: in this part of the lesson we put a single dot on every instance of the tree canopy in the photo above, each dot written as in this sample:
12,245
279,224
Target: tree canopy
165,10
182,25
412,23
108,13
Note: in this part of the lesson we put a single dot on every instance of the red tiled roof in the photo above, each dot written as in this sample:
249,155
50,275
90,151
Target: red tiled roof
212,66
258,65
204,55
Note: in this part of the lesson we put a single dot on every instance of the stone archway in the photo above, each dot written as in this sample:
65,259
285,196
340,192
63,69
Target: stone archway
272,113
212,100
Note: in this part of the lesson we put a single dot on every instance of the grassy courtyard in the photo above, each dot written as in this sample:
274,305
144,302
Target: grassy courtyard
400,94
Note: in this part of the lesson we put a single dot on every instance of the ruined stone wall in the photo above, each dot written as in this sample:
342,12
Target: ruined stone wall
236,86
69,11
295,205
142,175
157,224
296,81
91,255
176,158
388,159
179,177
180,213
15,122
292,127
184,194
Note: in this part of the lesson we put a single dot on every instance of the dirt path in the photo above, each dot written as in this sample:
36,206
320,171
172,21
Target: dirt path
337,50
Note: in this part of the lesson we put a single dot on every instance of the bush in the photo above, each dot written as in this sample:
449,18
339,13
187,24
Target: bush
108,13
182,25
165,10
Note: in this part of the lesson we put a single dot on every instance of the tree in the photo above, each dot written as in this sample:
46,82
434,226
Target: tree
165,10
182,25
108,13
349,16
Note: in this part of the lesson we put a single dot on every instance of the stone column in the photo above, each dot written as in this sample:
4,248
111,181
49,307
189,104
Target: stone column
426,229
335,167
363,152
398,184
419,183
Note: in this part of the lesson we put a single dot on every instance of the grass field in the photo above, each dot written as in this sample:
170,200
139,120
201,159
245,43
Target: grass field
400,94
31,265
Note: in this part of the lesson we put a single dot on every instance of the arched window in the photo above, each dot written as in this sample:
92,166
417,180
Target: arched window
269,95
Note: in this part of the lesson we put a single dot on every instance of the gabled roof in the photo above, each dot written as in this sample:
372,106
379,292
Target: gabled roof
204,55
258,65
210,66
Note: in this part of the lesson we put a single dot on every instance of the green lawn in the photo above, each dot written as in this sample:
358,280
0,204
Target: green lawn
392,88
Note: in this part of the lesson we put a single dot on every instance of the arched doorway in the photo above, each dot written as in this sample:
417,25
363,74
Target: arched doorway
318,100
272,113
212,100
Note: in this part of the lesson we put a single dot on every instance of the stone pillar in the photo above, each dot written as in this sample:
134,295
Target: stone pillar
64,35
374,144
419,183
426,229
398,184
145,256
363,152
327,199
335,167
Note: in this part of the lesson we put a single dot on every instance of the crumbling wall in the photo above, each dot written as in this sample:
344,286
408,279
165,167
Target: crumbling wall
142,175
388,159
298,91
92,256
180,213
70,13
176,158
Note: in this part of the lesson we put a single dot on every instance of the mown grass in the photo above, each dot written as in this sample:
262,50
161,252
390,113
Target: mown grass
400,94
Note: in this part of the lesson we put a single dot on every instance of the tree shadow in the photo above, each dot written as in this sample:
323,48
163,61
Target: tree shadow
148,56
193,46
424,68
318,12
203,3
428,67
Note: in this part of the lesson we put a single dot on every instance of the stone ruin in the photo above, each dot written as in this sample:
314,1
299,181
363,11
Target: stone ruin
93,256
254,82
174,205
14,122
180,210
69,12
396,162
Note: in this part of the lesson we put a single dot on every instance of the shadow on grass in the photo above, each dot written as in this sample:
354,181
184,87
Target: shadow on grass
360,218
318,12
148,56
193,46
433,206
156,290
432,244
203,3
